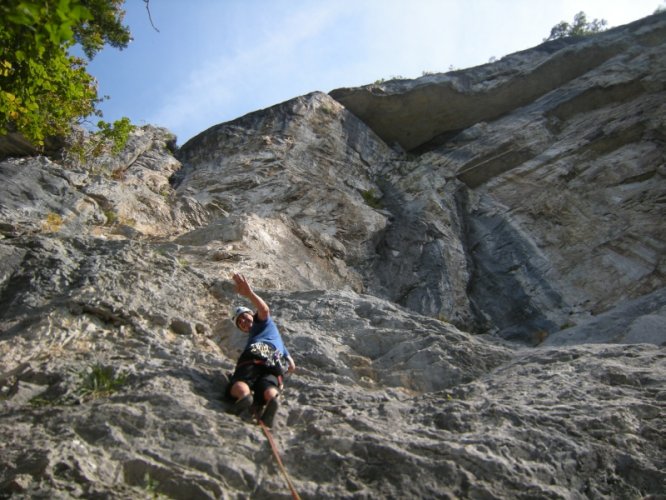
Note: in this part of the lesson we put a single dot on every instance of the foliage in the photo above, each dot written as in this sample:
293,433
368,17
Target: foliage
567,324
394,77
44,89
111,217
151,485
371,198
103,27
117,132
328,110
580,27
98,380
110,139
40,402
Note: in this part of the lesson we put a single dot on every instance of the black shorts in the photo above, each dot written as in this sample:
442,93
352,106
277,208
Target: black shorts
257,377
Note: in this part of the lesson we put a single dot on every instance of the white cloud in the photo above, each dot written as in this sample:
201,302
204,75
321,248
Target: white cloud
216,85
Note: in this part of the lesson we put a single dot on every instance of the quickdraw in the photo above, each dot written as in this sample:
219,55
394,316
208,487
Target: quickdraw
271,357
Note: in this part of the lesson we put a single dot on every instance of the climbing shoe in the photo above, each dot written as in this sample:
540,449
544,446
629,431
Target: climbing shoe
269,412
242,406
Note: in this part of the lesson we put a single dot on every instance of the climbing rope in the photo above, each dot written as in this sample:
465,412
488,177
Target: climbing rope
276,454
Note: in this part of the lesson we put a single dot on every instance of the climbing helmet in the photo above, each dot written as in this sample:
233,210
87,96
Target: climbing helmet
238,311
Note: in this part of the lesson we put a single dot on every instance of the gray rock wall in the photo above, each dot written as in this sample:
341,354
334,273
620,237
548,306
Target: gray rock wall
560,180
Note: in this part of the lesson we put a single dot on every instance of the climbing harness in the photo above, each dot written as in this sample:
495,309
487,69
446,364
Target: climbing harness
276,454
261,362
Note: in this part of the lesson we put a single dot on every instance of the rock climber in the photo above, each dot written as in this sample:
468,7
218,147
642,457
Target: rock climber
265,359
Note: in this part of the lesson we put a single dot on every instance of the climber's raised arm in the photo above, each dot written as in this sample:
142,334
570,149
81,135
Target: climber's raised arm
243,288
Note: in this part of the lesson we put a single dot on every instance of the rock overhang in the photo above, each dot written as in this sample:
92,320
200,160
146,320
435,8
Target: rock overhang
421,113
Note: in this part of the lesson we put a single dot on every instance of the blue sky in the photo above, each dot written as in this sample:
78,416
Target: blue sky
215,60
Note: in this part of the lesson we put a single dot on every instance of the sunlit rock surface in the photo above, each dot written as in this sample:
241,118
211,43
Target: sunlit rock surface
483,316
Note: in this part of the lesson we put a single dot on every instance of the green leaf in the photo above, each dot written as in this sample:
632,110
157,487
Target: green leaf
44,90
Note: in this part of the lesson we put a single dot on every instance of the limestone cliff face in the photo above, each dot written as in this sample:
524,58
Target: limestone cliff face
561,151
293,179
468,269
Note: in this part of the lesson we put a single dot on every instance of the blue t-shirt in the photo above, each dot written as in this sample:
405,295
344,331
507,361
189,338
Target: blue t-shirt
267,332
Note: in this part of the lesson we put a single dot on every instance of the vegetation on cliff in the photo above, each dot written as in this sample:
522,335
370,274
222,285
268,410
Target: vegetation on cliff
44,89
580,27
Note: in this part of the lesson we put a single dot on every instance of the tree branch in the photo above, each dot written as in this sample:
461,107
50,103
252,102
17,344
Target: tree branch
150,18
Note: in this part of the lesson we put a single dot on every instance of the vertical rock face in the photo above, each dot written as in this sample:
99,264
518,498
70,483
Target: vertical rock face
294,177
562,149
528,208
